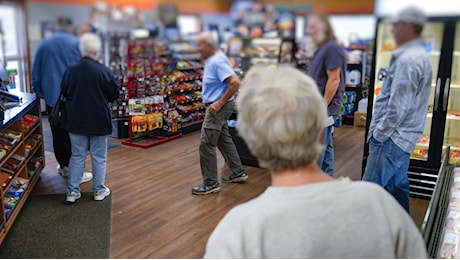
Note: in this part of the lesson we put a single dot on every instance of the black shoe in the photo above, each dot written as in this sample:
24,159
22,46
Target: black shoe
241,177
202,189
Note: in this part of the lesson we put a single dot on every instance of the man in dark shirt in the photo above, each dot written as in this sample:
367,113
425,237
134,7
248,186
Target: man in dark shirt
328,69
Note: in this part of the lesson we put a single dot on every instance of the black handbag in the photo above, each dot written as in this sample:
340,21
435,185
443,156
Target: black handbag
58,114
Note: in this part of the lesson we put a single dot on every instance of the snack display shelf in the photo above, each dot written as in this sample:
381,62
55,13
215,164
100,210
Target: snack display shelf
23,198
188,93
151,115
17,185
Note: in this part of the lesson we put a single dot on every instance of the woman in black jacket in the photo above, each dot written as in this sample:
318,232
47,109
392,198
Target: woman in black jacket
90,86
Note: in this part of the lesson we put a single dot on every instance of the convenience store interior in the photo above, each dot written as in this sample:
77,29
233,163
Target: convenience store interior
153,213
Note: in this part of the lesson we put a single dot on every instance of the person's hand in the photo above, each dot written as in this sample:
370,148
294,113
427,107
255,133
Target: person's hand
40,96
215,107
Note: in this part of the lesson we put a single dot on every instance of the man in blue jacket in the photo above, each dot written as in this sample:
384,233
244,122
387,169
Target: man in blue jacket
53,56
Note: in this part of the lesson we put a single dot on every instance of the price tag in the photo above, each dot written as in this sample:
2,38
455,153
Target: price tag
454,214
451,238
456,194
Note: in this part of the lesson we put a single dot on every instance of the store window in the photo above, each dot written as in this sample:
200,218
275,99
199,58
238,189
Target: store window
13,40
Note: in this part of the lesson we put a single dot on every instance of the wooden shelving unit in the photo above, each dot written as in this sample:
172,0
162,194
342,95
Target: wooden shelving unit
25,122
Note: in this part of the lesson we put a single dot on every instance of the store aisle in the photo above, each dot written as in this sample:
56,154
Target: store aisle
154,214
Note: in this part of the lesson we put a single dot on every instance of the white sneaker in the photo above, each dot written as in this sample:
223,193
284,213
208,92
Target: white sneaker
63,171
73,196
100,195
87,176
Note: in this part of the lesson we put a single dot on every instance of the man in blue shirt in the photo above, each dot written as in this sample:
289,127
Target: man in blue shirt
53,56
220,83
400,108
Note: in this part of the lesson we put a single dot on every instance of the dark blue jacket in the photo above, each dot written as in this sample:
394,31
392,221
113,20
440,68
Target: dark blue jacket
89,87
52,58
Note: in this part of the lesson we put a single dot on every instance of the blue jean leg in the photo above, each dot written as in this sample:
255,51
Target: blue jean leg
326,158
387,166
79,144
98,153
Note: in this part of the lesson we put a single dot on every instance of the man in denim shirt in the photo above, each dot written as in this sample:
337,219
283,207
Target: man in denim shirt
400,108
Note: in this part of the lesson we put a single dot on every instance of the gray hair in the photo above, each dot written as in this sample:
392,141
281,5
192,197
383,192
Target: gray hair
281,115
207,37
90,43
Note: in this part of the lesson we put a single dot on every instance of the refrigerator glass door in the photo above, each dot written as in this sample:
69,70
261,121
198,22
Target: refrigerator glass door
432,35
451,103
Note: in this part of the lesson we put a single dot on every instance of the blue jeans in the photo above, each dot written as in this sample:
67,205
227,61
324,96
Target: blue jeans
326,158
387,166
98,152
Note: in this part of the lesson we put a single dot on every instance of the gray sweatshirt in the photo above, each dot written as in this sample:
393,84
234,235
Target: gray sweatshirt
338,219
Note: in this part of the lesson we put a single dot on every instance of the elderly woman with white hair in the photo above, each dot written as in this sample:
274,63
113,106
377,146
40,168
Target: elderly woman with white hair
89,87
305,213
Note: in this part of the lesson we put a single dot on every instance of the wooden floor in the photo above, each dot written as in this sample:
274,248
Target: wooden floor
154,214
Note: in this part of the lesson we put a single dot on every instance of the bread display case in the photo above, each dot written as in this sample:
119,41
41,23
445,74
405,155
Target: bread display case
441,226
247,52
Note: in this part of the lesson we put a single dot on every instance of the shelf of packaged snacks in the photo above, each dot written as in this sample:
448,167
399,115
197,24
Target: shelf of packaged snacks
187,87
143,129
149,85
25,158
22,199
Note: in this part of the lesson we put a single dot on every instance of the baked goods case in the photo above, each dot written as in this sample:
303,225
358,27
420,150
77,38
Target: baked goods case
247,52
441,226
449,247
